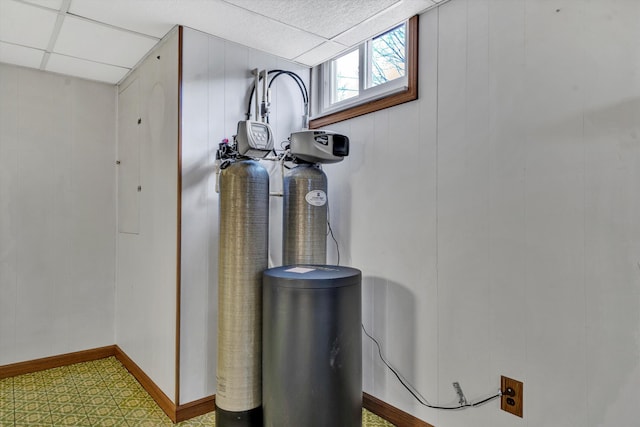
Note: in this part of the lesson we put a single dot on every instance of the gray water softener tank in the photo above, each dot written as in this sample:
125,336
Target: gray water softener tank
312,346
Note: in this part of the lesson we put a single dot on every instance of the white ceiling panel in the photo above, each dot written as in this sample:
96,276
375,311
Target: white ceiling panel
51,4
320,54
247,28
326,18
152,17
212,16
20,55
85,69
25,24
85,39
383,21
265,34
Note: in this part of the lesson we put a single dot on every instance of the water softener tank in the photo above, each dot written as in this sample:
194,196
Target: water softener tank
243,256
312,347
304,225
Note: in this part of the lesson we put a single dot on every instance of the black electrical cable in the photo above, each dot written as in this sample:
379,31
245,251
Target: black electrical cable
299,83
335,241
330,230
417,396
294,76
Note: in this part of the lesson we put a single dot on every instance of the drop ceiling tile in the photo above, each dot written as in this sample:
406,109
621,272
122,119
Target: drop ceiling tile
320,54
277,39
212,16
85,69
25,24
20,55
85,39
51,4
326,18
154,18
383,21
233,23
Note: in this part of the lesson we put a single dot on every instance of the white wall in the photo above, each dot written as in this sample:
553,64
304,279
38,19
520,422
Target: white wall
57,214
147,261
216,81
497,218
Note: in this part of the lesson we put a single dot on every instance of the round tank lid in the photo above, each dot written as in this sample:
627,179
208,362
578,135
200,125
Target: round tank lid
313,276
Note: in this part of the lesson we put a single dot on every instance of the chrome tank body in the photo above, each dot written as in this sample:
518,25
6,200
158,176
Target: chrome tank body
243,256
304,210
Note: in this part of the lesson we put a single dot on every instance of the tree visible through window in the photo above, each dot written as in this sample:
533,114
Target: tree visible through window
346,77
388,56
384,58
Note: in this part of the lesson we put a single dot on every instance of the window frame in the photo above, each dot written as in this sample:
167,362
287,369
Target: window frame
354,107
329,78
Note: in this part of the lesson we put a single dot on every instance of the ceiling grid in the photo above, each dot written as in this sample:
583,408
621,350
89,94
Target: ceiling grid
54,34
102,40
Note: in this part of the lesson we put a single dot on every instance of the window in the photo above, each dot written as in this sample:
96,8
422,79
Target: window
378,74
388,55
344,77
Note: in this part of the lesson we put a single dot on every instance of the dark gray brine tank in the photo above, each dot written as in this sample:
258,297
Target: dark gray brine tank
312,346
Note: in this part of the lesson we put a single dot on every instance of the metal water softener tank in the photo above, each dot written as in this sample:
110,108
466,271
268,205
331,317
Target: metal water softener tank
312,347
243,256
304,225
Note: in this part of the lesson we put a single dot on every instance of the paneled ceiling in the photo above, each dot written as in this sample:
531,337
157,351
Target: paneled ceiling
103,39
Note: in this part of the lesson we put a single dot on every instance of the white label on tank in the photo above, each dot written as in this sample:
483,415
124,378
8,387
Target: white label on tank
316,197
300,270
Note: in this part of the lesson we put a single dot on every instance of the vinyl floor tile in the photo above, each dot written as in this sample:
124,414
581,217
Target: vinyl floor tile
97,394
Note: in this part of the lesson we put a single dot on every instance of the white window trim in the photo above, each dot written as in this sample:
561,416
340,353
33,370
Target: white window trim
366,92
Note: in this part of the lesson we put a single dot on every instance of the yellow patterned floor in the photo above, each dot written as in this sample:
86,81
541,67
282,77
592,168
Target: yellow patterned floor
100,393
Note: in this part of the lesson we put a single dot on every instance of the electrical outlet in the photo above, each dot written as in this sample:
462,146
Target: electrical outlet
511,396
